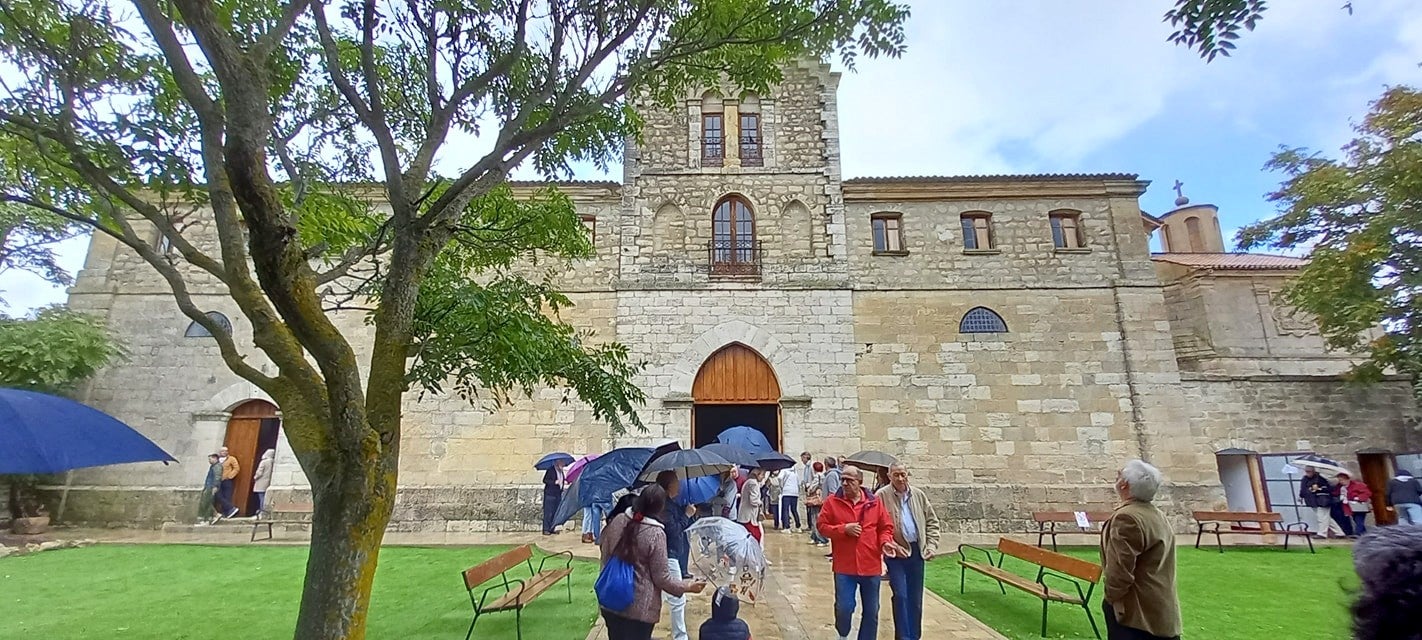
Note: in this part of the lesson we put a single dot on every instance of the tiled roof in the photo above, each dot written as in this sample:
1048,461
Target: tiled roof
566,183
1231,261
992,178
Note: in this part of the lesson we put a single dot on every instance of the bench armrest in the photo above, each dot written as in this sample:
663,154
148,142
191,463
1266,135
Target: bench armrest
566,565
1048,573
507,588
1303,526
986,553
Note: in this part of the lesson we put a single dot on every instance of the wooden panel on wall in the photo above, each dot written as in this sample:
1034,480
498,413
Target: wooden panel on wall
736,375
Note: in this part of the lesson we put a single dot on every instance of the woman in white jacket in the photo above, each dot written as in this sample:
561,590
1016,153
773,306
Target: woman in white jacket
262,479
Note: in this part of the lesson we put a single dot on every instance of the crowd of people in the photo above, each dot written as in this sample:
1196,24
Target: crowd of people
221,481
892,530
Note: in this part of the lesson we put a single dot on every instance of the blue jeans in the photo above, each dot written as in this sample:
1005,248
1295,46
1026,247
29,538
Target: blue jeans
868,587
1409,513
592,521
812,517
906,582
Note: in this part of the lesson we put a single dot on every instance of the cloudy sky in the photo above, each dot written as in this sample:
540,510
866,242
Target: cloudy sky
1047,86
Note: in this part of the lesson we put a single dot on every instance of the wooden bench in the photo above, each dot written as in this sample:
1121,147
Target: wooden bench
287,509
1050,564
539,581
1270,524
1048,521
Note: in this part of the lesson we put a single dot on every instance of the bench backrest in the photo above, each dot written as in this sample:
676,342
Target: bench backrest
1096,517
1074,567
1237,516
477,574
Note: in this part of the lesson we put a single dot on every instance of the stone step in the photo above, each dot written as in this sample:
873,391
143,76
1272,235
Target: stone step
241,526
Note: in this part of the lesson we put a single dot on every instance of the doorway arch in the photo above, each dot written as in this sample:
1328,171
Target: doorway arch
735,386
252,429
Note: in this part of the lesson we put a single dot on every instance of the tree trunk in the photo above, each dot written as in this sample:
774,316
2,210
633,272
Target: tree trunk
348,524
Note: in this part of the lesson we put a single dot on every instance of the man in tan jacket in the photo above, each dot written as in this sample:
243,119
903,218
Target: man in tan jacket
230,469
915,541
1138,554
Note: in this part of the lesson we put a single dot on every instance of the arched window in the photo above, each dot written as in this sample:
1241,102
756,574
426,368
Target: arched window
1192,229
733,247
982,320
196,330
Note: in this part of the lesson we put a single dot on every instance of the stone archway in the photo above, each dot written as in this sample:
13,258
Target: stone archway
735,386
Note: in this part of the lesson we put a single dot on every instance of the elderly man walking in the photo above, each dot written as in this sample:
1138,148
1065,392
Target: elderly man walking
230,468
861,533
916,541
1138,554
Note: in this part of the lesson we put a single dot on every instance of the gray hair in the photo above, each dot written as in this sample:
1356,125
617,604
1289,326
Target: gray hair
1143,480
850,469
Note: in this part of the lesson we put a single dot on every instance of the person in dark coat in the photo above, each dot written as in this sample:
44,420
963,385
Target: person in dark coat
674,521
1317,494
1404,495
724,625
552,496
1389,565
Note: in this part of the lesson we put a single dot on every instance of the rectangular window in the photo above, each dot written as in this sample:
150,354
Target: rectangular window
1066,231
750,140
977,231
888,233
713,140
590,224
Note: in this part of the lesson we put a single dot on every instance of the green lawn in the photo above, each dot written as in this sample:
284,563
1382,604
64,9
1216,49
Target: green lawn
1242,594
184,591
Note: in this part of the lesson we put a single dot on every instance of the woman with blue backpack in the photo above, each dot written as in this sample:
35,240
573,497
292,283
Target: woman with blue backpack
635,570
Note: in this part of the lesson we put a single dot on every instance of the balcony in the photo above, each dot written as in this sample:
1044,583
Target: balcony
751,151
741,260
713,152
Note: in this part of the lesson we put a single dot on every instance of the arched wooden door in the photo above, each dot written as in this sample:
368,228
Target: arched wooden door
735,386
251,430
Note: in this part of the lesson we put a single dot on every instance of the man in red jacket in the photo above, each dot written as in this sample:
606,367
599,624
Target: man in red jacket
861,533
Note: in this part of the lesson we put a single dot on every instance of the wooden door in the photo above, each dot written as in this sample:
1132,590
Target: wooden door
1376,469
244,430
736,375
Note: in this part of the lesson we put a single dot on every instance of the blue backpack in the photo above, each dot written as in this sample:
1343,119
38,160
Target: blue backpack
616,585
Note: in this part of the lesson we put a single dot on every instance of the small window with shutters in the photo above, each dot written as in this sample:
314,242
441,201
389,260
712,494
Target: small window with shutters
977,231
1066,230
888,234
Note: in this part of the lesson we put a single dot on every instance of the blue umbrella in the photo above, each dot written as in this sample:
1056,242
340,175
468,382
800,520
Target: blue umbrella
41,433
546,462
732,454
609,473
748,438
698,490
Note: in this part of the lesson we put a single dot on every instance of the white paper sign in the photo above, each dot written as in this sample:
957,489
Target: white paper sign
1081,519
1291,470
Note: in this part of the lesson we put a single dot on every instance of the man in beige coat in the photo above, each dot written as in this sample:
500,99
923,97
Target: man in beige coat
1138,554
915,541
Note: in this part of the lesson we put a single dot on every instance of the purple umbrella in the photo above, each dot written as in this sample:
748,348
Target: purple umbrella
577,467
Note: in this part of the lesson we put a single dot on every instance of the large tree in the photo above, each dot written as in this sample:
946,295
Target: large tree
1359,217
234,130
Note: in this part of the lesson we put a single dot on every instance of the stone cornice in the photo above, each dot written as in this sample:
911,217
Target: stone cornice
993,187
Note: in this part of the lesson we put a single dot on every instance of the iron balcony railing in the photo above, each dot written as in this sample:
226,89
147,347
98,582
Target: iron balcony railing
734,258
751,151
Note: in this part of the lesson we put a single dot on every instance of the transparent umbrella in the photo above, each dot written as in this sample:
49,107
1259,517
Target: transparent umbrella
724,554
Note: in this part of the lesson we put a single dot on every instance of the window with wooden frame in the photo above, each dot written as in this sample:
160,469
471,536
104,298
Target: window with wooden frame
977,231
750,140
733,247
1066,230
888,233
590,224
713,139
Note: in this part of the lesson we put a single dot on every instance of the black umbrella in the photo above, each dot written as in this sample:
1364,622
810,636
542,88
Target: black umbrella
732,454
774,461
874,460
687,463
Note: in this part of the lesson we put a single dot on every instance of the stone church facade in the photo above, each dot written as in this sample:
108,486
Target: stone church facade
1011,338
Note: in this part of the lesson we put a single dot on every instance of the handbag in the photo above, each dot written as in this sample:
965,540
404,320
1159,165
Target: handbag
1360,506
616,585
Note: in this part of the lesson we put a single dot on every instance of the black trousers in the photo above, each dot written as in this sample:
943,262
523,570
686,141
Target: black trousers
550,509
620,628
1118,631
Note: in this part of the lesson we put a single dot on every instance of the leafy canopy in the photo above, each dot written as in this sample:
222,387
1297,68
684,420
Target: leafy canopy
54,351
1360,218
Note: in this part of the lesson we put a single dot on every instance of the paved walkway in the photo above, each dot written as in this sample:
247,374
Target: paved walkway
796,603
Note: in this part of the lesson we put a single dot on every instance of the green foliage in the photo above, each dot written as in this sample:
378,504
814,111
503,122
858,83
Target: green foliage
1360,219
54,351
1212,26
